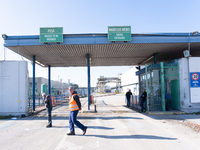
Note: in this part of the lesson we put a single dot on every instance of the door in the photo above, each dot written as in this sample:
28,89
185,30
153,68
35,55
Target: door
175,95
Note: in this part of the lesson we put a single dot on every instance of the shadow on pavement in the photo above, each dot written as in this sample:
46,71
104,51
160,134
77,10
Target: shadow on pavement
60,126
133,137
91,127
66,117
100,127
107,118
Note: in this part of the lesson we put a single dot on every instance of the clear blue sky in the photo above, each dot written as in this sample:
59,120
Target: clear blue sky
25,17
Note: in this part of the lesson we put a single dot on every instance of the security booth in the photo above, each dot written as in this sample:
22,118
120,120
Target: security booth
161,82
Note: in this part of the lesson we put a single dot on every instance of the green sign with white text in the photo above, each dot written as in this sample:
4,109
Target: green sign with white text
119,33
48,35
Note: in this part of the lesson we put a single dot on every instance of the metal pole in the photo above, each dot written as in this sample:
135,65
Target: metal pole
33,82
162,85
88,67
49,80
147,88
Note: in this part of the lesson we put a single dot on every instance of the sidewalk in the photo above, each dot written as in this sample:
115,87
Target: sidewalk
191,120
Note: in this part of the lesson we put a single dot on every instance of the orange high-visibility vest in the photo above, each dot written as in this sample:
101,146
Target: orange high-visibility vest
72,103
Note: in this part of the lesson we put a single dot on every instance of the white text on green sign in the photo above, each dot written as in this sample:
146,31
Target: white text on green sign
51,35
119,33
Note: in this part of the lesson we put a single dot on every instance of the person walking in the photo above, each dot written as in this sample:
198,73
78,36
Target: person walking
74,107
128,96
48,104
143,99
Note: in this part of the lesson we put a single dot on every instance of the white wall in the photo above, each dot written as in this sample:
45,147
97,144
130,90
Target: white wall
127,78
13,88
194,68
185,100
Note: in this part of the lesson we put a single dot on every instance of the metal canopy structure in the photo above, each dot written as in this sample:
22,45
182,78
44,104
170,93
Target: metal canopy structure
74,48
95,50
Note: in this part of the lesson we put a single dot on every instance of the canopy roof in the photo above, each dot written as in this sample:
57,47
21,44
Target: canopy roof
74,48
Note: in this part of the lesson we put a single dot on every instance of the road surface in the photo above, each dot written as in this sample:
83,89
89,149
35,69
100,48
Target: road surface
113,127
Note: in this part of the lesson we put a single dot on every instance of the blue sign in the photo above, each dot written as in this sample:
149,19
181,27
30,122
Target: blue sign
194,79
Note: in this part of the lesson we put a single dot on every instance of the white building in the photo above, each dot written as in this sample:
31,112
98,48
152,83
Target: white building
13,88
189,72
129,80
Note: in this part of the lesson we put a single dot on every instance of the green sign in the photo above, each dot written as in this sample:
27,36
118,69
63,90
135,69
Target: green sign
119,33
51,35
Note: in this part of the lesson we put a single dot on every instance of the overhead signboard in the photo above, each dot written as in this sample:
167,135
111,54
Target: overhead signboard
119,33
48,35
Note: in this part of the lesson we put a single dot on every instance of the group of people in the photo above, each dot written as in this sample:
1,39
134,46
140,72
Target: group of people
74,107
142,99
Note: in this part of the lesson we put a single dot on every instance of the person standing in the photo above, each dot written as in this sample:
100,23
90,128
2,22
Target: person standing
74,107
166,101
48,104
143,99
128,96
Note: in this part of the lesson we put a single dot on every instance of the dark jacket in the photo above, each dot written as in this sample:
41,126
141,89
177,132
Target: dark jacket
48,102
128,95
144,96
76,98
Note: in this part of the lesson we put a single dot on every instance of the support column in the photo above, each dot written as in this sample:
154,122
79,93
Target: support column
155,60
33,82
162,86
139,92
49,80
88,68
147,89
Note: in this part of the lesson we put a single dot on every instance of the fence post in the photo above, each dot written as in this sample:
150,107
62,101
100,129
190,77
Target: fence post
147,87
29,102
162,85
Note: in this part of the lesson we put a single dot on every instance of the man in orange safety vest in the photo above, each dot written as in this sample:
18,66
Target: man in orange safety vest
74,107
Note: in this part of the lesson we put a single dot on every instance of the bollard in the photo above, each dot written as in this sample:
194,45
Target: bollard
95,110
53,100
91,99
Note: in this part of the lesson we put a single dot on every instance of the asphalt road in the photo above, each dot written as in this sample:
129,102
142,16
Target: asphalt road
113,127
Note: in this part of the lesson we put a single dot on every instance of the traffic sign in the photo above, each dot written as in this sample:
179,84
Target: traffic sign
194,79
195,76
48,35
119,33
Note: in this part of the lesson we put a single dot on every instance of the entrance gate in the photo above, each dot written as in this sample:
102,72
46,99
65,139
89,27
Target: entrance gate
96,50
161,94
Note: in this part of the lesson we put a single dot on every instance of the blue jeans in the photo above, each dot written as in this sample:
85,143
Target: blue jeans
128,102
142,105
73,120
49,115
